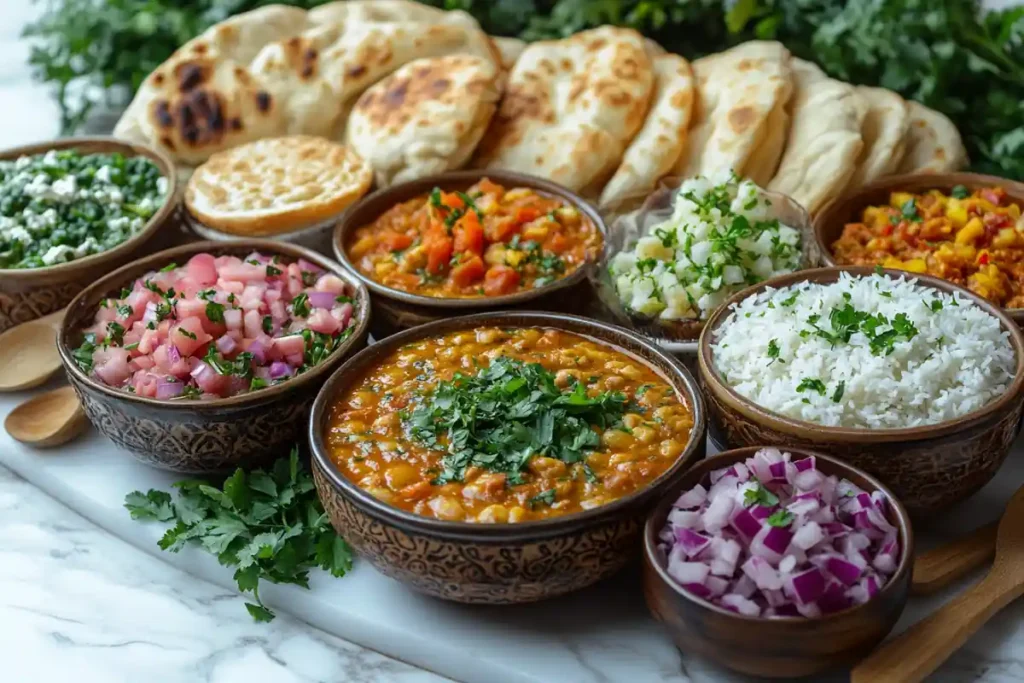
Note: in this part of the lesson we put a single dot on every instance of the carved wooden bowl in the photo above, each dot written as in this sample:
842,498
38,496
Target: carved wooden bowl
496,563
194,436
784,647
929,468
30,293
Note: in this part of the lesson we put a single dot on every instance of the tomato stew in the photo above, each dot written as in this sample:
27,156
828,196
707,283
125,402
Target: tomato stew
485,242
507,425
972,239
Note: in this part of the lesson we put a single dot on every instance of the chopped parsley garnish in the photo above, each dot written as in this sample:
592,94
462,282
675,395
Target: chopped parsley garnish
83,354
780,518
773,351
169,267
116,332
125,311
268,324
272,271
812,384
185,333
668,238
791,300
960,192
847,321
542,498
506,413
909,211
936,305
837,396
759,495
215,312
300,305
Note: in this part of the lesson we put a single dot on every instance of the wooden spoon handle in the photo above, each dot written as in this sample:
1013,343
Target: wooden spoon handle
943,565
919,651
54,319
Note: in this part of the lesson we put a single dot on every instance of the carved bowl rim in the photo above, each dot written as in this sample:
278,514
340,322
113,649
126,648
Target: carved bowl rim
659,360
752,412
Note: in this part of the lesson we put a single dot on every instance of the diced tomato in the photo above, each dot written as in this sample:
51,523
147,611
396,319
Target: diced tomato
243,272
394,241
323,322
501,229
439,249
983,258
886,229
525,214
253,323
111,364
557,243
326,283
487,187
202,268
500,280
452,200
994,221
189,308
292,345
189,336
470,269
469,234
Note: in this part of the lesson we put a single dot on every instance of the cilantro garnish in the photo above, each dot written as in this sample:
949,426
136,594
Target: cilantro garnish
960,192
169,267
116,332
838,394
773,351
185,333
83,354
215,312
780,518
268,525
272,271
759,495
542,498
300,305
909,211
812,384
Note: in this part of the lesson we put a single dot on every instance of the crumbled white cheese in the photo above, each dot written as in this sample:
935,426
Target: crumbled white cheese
57,254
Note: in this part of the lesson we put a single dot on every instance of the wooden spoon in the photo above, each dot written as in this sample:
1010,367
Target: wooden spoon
47,420
28,352
920,650
951,561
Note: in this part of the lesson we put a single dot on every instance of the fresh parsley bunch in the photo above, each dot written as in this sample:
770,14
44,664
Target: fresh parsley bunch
269,525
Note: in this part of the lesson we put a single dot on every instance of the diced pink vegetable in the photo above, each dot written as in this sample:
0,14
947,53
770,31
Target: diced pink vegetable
185,325
826,546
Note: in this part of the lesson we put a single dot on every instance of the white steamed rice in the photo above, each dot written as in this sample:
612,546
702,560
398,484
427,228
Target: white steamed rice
959,360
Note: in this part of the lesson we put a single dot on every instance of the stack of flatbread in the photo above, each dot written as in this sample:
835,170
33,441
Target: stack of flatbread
415,90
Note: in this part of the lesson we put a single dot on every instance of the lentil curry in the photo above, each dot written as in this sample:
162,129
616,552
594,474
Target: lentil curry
506,425
487,241
972,239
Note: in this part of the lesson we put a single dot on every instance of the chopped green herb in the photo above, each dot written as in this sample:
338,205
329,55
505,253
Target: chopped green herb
215,312
543,498
185,333
169,267
272,271
300,305
759,495
960,192
812,384
780,518
837,396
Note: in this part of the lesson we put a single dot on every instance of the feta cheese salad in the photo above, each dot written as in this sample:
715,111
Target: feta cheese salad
720,238
61,206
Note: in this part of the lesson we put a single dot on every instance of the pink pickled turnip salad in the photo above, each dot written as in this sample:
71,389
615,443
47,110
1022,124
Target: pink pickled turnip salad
775,537
217,327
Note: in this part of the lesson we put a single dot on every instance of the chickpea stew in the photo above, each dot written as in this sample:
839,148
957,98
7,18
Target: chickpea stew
501,425
975,240
488,241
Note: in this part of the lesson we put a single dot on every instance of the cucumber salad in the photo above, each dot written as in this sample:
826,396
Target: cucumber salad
720,238
61,206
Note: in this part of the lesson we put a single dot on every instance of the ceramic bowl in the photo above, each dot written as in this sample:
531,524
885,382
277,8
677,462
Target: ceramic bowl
30,293
929,468
625,228
203,436
783,647
505,563
395,310
829,223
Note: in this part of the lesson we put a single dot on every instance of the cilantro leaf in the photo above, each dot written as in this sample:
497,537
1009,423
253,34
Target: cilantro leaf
153,504
759,495
780,518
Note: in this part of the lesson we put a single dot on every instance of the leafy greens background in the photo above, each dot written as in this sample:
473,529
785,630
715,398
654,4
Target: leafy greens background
949,54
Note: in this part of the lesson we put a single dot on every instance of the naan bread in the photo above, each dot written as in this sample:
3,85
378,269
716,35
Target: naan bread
271,73
739,117
425,118
824,140
884,132
933,144
656,148
571,107
374,10
510,49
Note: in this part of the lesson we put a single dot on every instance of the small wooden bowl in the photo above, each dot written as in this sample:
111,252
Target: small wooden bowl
830,221
496,563
930,468
203,436
395,310
30,293
783,647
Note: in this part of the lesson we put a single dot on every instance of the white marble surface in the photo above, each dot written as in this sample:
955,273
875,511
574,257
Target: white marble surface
78,603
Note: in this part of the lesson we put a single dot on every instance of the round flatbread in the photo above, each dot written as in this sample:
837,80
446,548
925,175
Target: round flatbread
884,132
509,49
739,120
656,148
276,185
571,107
425,118
824,139
933,143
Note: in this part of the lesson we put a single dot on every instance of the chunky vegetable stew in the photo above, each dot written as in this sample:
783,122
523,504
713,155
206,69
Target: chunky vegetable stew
507,425
487,241
972,239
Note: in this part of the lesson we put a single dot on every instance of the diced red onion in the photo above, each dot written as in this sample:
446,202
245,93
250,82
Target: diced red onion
685,518
805,464
843,569
279,370
693,498
808,536
717,514
169,389
691,542
716,585
806,586
173,354
741,604
745,523
226,345
689,572
761,512
321,300
778,471
309,267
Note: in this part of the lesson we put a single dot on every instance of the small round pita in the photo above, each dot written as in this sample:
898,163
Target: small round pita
933,144
425,118
884,131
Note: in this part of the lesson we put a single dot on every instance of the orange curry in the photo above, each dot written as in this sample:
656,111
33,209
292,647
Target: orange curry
506,425
972,239
487,241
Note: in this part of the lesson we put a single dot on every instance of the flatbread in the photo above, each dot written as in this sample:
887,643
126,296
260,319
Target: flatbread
741,100
571,107
225,88
510,49
656,148
933,143
276,185
824,140
884,132
425,118
374,10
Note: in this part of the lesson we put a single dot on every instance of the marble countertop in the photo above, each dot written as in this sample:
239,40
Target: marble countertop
77,603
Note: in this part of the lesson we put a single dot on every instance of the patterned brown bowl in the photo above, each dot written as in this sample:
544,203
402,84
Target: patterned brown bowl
203,436
830,221
395,310
496,564
784,647
30,293
929,468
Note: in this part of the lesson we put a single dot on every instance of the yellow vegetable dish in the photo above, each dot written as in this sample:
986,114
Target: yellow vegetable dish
974,240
